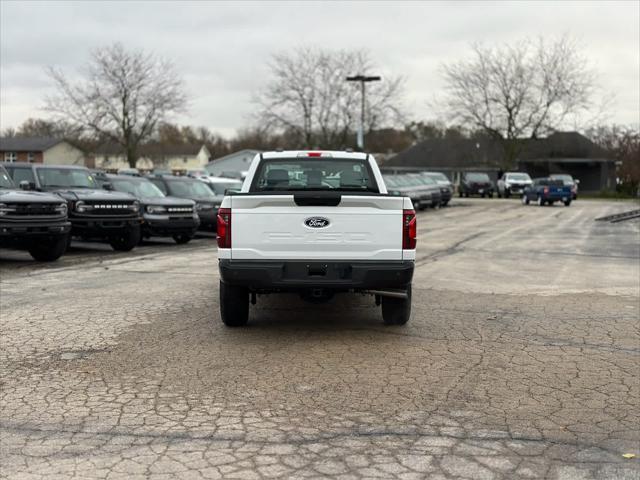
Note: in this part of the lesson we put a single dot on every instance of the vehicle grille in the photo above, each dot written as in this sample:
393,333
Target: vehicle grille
34,209
180,210
109,208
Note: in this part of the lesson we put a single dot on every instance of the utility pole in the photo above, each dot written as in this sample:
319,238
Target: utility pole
362,79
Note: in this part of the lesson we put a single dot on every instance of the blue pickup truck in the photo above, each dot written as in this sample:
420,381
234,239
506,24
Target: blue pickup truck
545,191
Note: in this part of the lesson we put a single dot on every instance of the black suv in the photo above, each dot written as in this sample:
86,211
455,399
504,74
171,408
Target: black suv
162,216
32,220
207,203
476,183
93,212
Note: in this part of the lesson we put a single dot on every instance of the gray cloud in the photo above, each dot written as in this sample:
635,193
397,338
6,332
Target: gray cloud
222,48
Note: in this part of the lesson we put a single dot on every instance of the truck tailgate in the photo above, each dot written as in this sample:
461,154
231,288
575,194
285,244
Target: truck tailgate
267,227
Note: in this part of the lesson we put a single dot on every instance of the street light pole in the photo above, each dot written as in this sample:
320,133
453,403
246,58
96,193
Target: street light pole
362,79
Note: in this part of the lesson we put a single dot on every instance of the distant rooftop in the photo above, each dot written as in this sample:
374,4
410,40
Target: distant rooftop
28,144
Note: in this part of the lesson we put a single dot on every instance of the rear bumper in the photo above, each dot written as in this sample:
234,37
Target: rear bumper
556,197
300,275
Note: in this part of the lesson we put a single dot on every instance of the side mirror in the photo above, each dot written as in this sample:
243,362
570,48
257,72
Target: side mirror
107,186
27,185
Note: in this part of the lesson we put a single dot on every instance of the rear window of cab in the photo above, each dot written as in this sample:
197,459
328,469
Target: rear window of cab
313,174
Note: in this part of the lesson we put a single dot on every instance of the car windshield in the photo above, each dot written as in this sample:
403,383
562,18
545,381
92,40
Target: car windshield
521,177
66,178
293,174
5,179
221,188
390,180
140,188
189,188
477,177
425,180
440,177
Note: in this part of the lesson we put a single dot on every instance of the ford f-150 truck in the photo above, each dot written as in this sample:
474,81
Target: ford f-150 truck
317,224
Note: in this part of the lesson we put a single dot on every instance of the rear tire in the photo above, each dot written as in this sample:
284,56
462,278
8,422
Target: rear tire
567,203
491,195
126,241
51,250
234,305
507,193
396,311
182,238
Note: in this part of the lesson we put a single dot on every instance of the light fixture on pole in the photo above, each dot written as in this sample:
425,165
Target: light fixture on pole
362,79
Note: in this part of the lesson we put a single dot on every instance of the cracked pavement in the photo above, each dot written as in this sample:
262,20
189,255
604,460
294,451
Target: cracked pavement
520,361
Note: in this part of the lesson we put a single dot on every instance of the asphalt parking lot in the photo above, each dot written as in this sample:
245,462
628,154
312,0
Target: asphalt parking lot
521,360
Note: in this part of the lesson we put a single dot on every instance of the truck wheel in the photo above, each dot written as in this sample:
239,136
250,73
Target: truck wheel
460,194
507,193
234,305
126,241
567,203
183,238
396,311
50,250
490,194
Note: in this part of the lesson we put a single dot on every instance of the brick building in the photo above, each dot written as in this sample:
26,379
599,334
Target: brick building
52,151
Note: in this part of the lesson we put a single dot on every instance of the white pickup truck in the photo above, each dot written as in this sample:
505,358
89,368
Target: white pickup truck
315,223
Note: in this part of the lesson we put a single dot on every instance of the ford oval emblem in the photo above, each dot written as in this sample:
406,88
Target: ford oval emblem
317,222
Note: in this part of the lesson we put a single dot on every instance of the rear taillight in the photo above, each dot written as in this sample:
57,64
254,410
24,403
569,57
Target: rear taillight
409,229
546,190
224,228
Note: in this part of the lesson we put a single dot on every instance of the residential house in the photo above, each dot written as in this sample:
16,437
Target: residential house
47,150
177,158
233,163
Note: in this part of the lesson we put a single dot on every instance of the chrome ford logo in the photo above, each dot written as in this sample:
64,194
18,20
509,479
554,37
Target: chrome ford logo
317,222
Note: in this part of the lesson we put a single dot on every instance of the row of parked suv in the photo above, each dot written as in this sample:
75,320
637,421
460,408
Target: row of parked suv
43,206
509,184
425,189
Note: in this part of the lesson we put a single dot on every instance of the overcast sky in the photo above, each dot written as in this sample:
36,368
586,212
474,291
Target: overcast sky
222,49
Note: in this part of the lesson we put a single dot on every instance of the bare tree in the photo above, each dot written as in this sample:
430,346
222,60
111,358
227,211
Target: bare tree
519,91
40,127
309,96
623,143
123,97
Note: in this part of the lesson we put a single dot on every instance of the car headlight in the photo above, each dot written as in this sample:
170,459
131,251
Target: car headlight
4,209
82,207
61,209
204,206
135,206
156,209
